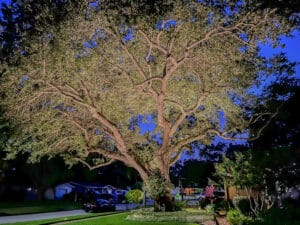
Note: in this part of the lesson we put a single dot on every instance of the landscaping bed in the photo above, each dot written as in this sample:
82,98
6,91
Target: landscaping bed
185,216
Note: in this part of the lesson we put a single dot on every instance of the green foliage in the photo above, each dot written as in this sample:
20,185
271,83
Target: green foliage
276,150
240,171
223,205
277,216
156,186
203,202
134,196
248,172
25,22
235,217
210,208
179,205
4,134
131,12
187,170
242,204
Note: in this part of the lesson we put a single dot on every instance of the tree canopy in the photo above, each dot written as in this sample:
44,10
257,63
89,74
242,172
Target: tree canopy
84,81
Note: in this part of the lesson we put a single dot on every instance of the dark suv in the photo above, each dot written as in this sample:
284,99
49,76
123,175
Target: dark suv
94,202
99,205
109,197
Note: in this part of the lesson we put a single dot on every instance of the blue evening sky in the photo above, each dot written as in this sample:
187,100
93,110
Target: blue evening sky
292,48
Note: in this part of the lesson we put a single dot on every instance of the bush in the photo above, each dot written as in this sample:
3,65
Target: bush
210,208
242,204
276,216
179,205
203,202
235,217
223,205
134,196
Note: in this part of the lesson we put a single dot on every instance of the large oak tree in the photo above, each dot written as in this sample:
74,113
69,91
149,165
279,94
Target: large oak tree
83,82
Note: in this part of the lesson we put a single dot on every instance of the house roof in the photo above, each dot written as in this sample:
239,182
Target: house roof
78,185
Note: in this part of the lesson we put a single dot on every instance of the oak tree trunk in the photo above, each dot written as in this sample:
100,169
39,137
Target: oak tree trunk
164,203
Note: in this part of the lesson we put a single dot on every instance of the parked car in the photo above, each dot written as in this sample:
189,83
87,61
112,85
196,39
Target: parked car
109,197
200,195
120,194
93,201
99,205
219,193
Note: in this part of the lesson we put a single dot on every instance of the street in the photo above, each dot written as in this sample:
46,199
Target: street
60,214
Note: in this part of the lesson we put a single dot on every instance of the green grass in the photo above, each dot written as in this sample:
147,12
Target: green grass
103,219
68,219
120,219
16,208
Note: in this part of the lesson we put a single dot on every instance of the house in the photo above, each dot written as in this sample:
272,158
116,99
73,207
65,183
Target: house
63,189
109,189
74,187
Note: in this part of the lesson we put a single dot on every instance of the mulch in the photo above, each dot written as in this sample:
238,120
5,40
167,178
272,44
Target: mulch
222,221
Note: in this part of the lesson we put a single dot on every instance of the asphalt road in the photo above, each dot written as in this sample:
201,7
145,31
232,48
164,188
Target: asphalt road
51,215
40,216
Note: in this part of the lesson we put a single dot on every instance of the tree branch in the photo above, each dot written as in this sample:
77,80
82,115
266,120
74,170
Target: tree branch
220,30
147,81
153,44
70,95
258,134
96,166
87,93
176,157
74,122
184,113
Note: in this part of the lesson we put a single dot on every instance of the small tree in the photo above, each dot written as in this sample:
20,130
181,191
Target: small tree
134,196
243,172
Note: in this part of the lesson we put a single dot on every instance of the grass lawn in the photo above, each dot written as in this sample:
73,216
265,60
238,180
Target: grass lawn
120,219
68,219
103,219
12,208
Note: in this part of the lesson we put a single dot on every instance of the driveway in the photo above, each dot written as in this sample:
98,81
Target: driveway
51,215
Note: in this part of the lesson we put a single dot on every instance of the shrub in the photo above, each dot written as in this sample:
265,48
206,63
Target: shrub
276,216
203,202
210,208
235,217
179,205
134,196
223,205
242,204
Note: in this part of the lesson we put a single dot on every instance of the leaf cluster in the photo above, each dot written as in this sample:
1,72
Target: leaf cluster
240,171
156,186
